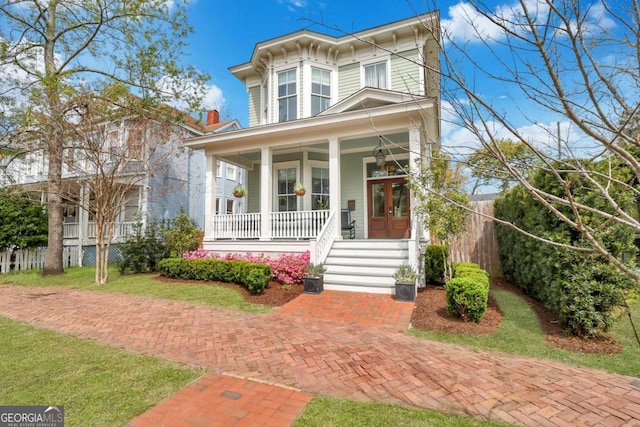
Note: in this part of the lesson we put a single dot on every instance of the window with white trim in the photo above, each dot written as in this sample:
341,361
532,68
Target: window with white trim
287,96
218,169
231,172
231,205
320,90
217,205
286,199
375,75
319,188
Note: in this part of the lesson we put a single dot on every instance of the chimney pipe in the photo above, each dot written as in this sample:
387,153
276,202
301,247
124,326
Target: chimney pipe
213,117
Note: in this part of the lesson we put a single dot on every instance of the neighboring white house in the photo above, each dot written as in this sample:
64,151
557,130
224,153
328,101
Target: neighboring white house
345,117
173,184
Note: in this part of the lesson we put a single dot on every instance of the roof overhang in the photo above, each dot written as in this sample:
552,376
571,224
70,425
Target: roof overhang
356,123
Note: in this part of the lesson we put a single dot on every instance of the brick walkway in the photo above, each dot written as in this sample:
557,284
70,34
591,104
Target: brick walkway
342,359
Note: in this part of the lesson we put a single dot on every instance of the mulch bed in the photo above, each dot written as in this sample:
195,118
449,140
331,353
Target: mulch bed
430,314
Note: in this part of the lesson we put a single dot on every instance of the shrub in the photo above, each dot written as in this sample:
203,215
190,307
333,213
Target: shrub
252,275
571,284
182,235
142,251
287,269
467,298
435,259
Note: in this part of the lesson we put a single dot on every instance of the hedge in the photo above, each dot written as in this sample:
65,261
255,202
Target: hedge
582,288
467,294
435,258
254,276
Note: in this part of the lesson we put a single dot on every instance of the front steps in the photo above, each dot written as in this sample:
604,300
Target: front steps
364,265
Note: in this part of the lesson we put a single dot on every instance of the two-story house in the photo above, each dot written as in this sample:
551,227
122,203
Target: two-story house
346,118
171,183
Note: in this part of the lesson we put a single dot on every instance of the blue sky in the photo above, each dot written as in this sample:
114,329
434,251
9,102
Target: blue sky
225,33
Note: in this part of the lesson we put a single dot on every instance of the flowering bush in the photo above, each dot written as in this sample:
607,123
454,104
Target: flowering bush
197,254
287,269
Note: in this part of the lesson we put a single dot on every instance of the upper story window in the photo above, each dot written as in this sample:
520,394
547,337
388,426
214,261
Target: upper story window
320,90
231,172
375,75
218,169
287,96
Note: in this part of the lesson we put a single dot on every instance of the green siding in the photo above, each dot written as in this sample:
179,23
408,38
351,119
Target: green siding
348,80
405,73
253,190
352,188
254,106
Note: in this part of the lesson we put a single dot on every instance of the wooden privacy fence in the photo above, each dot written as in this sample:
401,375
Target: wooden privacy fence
23,259
478,242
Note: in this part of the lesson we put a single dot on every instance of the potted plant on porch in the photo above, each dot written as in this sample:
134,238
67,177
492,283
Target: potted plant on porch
299,189
239,191
314,278
405,277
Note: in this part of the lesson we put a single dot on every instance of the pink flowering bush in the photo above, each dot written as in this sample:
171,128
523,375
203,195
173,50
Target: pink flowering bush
286,269
197,254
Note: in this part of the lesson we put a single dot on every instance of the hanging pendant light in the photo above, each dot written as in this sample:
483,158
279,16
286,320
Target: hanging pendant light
379,154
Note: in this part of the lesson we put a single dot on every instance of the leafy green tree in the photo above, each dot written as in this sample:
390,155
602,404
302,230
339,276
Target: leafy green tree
439,188
51,49
182,236
487,163
23,221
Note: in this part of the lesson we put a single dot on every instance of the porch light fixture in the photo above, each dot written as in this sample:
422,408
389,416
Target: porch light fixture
379,154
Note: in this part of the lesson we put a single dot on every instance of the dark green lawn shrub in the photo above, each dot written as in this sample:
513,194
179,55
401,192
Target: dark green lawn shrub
589,297
466,298
435,259
142,251
572,284
477,275
252,275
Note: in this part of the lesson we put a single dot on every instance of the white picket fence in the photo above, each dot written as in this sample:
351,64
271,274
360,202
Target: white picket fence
23,259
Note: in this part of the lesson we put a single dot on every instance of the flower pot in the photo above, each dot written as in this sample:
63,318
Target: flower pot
301,193
238,195
405,292
313,285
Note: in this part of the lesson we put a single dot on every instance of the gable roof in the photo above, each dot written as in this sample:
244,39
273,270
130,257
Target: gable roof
369,97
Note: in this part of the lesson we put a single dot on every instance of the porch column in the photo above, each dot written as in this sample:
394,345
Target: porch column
210,188
415,153
266,192
335,198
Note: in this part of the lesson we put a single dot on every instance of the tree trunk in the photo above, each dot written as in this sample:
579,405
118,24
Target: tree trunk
53,260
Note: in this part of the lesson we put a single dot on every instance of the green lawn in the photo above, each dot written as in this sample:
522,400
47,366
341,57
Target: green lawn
98,385
140,284
520,333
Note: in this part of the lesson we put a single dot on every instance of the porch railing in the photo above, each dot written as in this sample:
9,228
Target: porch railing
237,226
120,229
297,224
325,239
71,230
282,225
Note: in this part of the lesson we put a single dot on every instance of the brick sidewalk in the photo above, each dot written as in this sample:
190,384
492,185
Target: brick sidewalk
341,359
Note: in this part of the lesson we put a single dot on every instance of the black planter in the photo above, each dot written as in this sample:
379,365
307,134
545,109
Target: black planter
406,292
313,285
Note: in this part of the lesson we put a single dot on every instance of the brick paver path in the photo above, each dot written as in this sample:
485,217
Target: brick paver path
339,359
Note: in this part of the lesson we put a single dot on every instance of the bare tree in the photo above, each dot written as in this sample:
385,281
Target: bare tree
575,62
117,144
51,48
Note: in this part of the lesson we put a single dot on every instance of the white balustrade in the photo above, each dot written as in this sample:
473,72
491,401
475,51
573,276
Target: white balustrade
325,238
71,230
297,224
237,226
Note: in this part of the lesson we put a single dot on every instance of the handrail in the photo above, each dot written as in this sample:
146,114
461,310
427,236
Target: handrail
325,238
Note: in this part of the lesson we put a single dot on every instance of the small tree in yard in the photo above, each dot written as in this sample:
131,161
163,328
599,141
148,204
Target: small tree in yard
118,143
443,203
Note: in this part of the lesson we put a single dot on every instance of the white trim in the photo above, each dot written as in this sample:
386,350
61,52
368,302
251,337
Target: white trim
276,168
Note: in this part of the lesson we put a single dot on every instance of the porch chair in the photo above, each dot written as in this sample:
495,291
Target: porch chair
348,224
